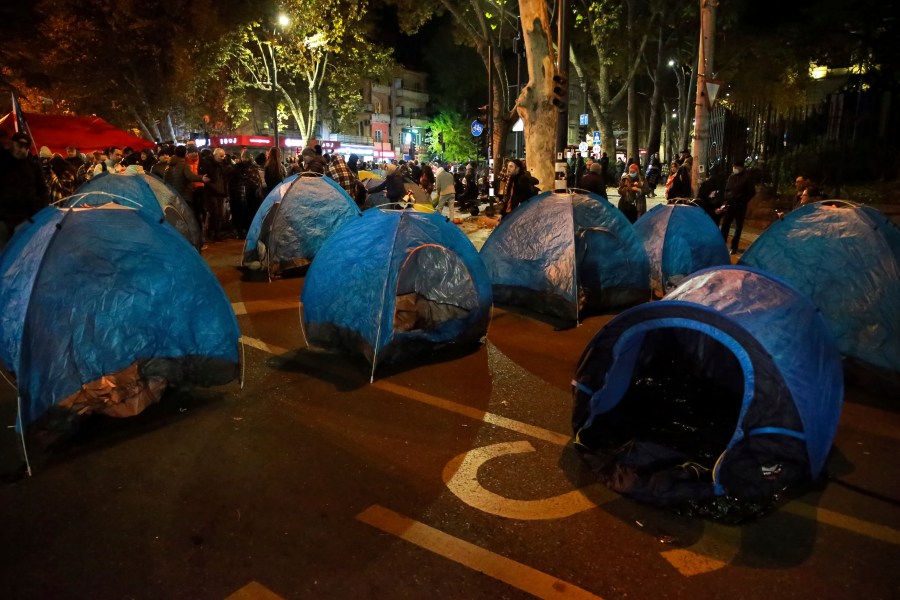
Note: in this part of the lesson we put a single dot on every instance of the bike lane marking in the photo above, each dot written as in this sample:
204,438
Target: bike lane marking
689,561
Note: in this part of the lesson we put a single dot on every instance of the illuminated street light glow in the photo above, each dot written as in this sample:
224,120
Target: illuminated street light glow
284,20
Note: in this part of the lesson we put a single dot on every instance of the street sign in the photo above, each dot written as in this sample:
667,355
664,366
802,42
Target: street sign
582,147
582,119
596,138
596,150
477,128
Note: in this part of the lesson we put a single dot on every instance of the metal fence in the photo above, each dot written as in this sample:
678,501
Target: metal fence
848,138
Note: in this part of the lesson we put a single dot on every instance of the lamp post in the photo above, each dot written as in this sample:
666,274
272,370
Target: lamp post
283,21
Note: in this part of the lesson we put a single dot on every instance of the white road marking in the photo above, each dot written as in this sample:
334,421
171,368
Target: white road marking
515,574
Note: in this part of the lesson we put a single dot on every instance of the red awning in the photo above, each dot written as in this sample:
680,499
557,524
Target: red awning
85,133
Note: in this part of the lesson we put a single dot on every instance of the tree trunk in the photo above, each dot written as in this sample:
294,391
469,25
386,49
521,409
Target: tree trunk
631,147
171,126
534,104
142,125
655,125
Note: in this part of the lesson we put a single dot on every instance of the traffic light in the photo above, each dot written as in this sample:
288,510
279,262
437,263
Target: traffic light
560,91
582,133
440,137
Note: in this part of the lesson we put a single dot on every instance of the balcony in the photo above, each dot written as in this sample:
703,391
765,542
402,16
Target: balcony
411,95
350,139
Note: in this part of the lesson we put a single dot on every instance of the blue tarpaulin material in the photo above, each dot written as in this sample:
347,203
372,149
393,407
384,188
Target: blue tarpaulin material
294,220
789,375
393,280
679,240
847,260
88,292
140,191
557,251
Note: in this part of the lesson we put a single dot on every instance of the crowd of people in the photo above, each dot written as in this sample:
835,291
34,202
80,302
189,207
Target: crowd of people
226,189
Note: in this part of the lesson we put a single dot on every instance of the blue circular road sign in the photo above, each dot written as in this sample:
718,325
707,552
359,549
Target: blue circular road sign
477,127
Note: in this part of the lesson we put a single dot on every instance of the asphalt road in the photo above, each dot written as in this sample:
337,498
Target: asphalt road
452,478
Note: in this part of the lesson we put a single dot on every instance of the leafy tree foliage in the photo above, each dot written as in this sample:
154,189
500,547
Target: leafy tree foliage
456,135
317,60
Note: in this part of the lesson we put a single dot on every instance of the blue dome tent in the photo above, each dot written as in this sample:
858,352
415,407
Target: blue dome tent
294,220
140,191
847,260
393,283
102,308
679,239
557,252
770,424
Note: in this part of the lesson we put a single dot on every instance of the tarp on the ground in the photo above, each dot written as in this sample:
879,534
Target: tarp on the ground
679,239
140,191
557,253
102,308
394,283
294,220
85,133
755,339
847,260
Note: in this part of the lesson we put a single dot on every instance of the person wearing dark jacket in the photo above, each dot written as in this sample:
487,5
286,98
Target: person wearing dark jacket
392,185
594,181
180,176
520,186
681,183
23,190
215,193
739,190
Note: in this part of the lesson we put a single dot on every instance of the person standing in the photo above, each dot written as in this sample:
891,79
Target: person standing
520,187
680,186
631,191
215,193
445,187
593,181
23,190
739,190
244,183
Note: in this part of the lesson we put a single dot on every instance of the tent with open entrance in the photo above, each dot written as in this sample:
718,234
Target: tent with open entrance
103,308
679,239
294,220
394,283
557,253
140,191
847,260
757,383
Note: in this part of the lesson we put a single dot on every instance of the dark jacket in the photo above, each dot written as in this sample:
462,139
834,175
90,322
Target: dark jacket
393,186
23,190
740,189
681,185
180,177
593,182
519,189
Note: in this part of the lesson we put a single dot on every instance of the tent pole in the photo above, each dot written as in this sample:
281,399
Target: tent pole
22,434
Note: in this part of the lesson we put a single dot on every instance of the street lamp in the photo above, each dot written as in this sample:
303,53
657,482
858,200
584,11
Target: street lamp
283,22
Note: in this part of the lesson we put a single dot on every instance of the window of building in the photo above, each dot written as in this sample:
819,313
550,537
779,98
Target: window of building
378,135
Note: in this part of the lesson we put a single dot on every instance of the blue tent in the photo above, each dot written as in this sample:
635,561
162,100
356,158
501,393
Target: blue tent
294,220
393,282
680,239
556,252
102,308
847,260
140,191
761,343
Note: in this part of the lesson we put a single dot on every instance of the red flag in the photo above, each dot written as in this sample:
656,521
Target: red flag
20,124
